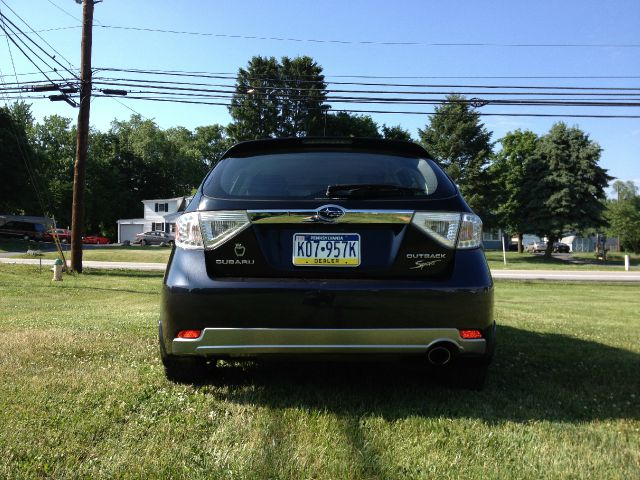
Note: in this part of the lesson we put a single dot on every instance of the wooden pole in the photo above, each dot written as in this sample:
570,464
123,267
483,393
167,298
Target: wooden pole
79,171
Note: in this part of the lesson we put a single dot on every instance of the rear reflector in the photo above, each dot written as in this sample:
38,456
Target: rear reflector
470,334
189,333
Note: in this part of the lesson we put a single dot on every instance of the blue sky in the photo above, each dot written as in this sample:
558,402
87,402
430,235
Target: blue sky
472,21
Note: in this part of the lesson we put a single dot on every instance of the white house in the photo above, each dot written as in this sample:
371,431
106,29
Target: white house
159,214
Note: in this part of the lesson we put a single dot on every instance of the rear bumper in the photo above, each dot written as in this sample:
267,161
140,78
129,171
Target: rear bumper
255,316
241,342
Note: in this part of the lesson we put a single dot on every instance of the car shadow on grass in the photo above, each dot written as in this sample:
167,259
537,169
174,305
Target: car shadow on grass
533,377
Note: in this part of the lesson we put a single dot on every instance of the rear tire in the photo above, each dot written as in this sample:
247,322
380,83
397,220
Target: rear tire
465,373
143,243
471,377
183,369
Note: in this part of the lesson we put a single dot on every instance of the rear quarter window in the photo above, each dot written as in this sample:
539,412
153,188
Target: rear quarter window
306,175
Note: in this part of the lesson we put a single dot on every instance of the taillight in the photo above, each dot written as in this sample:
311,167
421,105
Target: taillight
209,230
470,334
453,230
442,227
470,235
189,334
188,231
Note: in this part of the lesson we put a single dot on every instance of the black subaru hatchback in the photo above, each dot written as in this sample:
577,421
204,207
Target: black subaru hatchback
327,247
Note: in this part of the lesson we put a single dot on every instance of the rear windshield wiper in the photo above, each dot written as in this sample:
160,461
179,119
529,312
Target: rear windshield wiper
371,190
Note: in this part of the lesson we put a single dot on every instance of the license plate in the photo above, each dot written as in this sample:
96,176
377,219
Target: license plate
326,249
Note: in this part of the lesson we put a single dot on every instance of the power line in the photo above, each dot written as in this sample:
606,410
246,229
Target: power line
373,42
11,56
26,74
381,84
486,77
52,29
10,37
632,101
189,86
127,107
70,14
36,82
4,27
64,11
463,77
583,102
53,57
41,38
522,114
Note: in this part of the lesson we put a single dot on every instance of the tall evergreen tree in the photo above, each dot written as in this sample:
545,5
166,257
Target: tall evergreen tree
277,99
343,124
396,133
459,141
565,184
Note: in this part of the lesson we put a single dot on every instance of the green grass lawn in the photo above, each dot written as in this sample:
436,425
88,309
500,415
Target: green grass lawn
117,254
82,395
528,261
579,261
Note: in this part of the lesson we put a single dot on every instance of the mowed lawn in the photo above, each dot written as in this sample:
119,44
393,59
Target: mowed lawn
82,395
155,254
576,261
148,254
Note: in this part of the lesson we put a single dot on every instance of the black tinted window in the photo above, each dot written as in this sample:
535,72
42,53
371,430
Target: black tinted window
306,175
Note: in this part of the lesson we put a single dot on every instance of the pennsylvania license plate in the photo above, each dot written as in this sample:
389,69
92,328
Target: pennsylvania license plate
326,249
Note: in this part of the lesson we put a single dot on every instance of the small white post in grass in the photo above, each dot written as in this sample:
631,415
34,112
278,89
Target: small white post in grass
504,251
626,263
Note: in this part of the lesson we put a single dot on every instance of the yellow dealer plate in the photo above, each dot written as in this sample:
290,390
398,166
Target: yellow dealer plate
326,249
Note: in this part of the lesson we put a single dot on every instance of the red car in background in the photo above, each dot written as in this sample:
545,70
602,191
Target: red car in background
95,239
64,235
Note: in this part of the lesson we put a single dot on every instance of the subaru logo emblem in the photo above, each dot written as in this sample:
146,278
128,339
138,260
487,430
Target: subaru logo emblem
330,213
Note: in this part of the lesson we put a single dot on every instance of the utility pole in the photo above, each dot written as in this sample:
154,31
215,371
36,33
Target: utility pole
79,170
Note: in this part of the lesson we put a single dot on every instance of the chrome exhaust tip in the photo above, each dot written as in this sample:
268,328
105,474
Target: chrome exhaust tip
440,355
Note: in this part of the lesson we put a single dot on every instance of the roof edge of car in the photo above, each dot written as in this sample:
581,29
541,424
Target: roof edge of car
264,146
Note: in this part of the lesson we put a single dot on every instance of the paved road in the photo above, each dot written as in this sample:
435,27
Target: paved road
568,275
560,275
92,264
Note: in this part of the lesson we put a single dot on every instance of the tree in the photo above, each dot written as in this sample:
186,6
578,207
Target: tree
624,190
277,99
55,141
565,184
508,171
459,141
396,133
20,165
211,142
623,216
343,124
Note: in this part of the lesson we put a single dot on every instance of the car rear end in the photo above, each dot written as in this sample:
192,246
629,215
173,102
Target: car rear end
312,247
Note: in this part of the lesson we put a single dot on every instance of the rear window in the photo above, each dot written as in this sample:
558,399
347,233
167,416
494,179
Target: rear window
306,175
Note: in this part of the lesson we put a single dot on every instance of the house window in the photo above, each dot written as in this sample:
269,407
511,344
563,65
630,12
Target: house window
157,226
492,235
162,207
172,227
